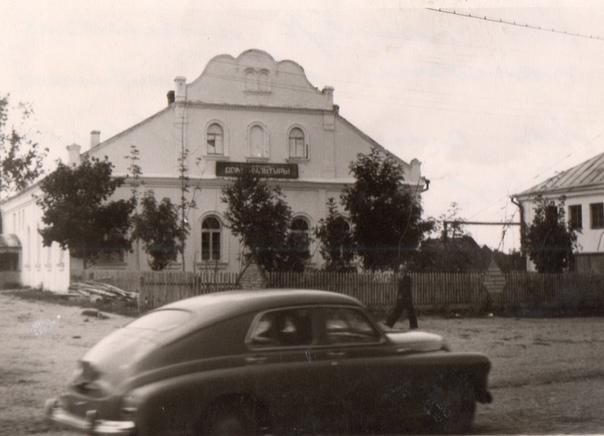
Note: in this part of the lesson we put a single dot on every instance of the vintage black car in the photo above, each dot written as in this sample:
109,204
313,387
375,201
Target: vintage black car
270,362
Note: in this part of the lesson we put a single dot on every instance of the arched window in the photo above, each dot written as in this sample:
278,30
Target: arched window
215,139
297,144
210,239
301,230
250,80
257,142
263,81
341,228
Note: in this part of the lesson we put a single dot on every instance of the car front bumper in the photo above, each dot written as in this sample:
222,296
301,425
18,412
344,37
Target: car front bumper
90,424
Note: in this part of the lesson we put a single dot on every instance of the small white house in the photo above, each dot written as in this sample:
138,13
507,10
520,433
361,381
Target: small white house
245,112
583,189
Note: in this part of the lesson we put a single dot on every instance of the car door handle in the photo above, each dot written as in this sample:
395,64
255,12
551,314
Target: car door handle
336,354
255,359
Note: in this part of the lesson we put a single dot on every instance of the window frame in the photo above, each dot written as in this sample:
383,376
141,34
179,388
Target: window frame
377,338
575,215
257,81
112,258
294,156
216,152
225,141
251,334
307,232
265,155
596,212
212,239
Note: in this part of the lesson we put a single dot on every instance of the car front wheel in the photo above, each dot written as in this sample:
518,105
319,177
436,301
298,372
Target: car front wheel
450,408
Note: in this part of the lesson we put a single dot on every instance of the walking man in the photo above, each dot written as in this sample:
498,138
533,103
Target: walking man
404,300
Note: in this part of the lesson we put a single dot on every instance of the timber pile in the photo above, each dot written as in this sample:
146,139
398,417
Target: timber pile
94,289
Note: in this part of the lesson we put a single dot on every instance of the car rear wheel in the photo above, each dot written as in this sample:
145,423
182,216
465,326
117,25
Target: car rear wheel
229,419
450,408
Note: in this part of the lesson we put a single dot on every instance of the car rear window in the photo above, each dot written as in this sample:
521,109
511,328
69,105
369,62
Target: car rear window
161,320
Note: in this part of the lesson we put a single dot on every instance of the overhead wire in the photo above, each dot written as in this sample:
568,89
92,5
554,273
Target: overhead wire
514,23
448,108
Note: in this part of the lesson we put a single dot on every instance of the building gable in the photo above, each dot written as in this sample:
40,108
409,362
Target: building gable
254,78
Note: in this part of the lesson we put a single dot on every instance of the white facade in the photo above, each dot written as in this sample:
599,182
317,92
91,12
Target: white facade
249,110
46,267
582,188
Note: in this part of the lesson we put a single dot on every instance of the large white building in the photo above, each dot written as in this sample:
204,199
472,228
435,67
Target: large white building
249,111
582,186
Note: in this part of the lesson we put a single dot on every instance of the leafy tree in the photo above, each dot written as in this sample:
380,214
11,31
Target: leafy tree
336,240
21,158
77,213
259,216
459,254
186,204
455,225
385,213
135,173
512,261
549,239
296,252
158,226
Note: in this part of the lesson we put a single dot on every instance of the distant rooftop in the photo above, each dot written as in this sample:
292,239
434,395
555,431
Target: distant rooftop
585,175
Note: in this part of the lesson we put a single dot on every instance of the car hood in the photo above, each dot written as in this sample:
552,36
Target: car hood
417,341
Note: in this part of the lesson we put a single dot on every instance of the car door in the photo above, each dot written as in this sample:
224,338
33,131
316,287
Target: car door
358,353
289,368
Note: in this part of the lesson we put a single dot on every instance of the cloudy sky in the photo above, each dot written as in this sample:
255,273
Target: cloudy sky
490,107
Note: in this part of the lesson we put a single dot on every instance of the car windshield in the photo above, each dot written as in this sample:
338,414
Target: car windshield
161,320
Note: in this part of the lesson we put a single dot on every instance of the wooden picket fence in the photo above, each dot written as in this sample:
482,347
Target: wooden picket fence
379,289
430,290
156,288
568,290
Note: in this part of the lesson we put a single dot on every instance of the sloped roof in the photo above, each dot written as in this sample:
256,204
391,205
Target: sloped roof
585,175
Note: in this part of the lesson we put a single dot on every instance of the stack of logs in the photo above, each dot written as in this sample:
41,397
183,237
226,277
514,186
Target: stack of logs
100,290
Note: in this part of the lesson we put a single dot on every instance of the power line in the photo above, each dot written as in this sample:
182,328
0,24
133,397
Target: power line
514,23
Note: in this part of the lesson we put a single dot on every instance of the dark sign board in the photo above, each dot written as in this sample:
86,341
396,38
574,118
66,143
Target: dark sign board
235,169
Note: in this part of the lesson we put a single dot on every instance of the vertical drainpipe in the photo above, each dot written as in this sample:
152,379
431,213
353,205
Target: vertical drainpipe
522,223
180,98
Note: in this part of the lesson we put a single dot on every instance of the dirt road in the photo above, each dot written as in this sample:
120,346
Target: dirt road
547,376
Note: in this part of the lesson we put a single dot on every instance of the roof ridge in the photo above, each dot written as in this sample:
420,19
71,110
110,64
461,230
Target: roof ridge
586,173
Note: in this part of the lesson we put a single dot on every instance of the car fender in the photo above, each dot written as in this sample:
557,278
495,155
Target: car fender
176,403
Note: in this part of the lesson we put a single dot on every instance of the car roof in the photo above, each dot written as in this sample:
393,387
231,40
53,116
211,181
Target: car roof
222,305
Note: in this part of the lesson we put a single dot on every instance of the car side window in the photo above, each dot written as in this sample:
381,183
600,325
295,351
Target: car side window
283,328
347,326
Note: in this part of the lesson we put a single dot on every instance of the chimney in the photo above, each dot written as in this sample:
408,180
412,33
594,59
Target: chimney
95,138
171,97
328,91
73,151
415,172
181,88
